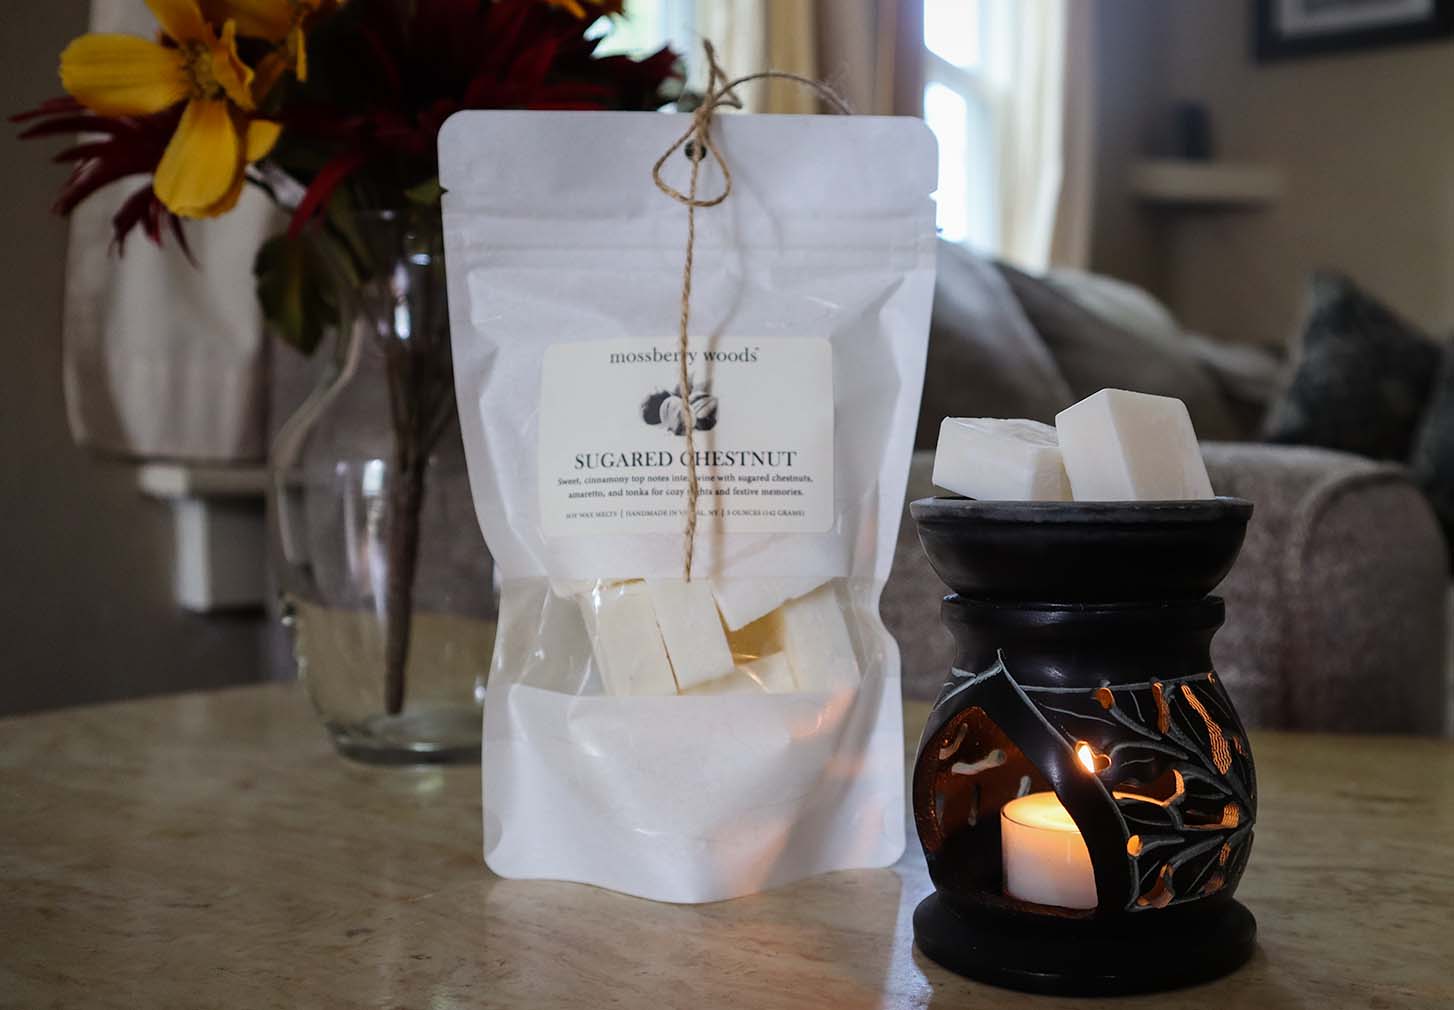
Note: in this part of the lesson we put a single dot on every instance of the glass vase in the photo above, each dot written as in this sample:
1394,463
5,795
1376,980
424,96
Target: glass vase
385,580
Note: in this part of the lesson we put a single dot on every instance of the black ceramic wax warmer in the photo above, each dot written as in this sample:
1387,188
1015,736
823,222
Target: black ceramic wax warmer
1083,669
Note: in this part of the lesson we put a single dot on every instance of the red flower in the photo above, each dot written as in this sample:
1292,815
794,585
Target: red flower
109,148
426,62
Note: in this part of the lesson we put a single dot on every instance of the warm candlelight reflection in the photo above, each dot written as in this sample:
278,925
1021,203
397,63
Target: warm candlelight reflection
1092,761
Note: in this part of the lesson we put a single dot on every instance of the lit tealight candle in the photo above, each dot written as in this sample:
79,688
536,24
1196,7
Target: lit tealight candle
1045,858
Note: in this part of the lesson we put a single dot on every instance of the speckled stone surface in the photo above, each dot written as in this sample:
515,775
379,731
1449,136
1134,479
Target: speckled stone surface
211,851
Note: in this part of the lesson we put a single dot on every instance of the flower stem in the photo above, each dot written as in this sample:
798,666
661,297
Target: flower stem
421,404
420,418
406,502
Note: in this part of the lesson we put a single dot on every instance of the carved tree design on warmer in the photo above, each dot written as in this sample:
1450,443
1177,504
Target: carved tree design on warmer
1175,758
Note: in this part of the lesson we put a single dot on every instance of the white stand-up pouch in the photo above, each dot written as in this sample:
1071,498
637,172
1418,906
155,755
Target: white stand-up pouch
689,740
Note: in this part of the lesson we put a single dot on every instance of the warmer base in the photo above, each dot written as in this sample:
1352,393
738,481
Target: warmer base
1152,952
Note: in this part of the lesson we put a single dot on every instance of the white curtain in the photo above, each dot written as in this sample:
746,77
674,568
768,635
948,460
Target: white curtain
1040,77
867,50
870,51
754,35
1071,241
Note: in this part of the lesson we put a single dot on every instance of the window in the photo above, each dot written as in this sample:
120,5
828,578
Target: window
647,25
957,107
960,47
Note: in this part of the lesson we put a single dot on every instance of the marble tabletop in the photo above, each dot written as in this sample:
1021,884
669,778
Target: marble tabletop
211,851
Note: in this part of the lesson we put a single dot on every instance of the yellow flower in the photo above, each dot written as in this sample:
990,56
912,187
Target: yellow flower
282,22
580,8
201,171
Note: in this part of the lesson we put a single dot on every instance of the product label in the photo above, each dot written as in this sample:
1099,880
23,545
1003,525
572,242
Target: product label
613,447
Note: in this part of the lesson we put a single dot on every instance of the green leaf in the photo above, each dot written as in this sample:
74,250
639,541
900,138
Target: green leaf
341,237
296,290
426,194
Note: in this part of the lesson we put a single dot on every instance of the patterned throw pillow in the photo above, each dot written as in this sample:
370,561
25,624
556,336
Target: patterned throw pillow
1363,378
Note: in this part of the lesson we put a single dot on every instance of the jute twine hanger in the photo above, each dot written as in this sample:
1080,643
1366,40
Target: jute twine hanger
699,144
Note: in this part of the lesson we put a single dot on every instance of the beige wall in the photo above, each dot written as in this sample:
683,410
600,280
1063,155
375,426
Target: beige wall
86,611
1366,144
1130,84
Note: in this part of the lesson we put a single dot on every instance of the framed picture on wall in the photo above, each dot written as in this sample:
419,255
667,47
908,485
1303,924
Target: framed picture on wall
1286,29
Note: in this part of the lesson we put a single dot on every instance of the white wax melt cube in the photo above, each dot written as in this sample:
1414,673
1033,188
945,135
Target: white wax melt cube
626,641
773,673
762,637
736,682
696,642
1124,446
815,637
569,588
743,601
1000,460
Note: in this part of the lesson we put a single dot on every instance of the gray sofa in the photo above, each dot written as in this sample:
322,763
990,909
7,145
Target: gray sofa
1336,615
1337,612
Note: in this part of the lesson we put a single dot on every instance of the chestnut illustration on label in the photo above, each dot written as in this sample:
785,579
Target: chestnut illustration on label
669,407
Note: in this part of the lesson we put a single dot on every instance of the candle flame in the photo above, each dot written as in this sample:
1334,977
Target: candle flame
1087,756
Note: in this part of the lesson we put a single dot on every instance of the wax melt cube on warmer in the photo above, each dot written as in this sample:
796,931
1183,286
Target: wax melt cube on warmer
1124,446
626,641
696,642
1000,460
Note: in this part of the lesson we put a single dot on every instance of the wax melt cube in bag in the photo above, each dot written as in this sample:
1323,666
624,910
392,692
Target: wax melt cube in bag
696,641
689,740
